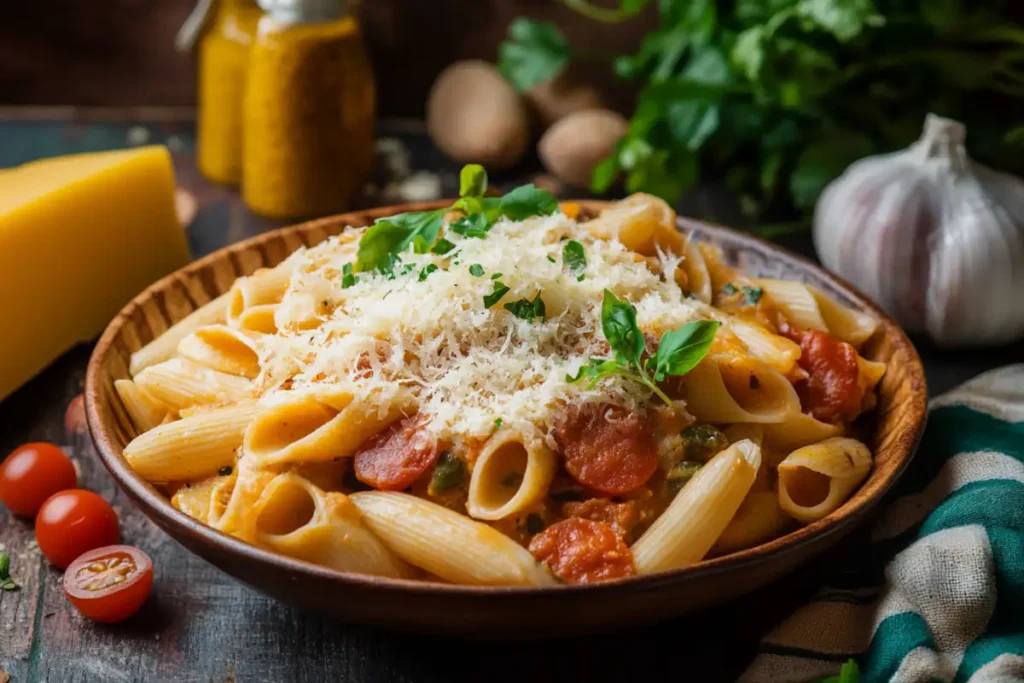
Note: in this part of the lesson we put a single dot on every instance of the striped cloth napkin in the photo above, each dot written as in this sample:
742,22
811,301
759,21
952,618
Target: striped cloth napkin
938,592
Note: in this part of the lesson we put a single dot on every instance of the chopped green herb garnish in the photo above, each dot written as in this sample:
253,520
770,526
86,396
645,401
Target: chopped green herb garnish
512,480
225,471
476,270
496,276
534,523
678,352
494,297
551,258
574,258
751,295
347,278
443,246
430,268
581,278
449,472
498,422
526,309
729,289
6,582
681,473
701,441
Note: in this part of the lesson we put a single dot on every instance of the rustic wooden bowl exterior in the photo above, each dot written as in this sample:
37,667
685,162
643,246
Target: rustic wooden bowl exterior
475,611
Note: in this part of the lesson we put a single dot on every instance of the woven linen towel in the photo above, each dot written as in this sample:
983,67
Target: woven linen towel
938,593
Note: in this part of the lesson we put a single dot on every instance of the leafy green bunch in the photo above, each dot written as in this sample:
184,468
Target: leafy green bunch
678,352
777,97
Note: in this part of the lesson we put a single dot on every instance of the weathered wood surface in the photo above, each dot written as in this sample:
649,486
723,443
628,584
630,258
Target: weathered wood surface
200,625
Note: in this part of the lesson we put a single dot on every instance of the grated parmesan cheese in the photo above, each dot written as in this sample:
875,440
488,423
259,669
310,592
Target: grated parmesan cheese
469,365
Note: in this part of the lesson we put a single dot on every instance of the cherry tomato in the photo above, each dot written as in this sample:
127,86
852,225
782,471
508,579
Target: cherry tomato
608,450
72,522
31,474
580,550
832,390
109,584
396,457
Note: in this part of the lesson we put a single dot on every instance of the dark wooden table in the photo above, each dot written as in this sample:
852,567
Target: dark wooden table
201,625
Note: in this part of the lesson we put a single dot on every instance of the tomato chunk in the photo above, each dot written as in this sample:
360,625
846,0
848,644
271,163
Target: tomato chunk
396,457
607,449
580,550
833,389
72,522
619,516
109,584
31,474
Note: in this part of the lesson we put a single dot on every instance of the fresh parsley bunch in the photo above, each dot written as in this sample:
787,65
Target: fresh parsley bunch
777,97
678,352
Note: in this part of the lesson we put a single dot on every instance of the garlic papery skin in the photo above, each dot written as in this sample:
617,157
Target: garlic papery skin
932,236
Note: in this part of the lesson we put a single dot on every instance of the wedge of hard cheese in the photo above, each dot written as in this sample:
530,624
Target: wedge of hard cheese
79,237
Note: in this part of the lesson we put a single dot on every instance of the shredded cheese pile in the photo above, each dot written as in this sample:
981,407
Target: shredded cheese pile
431,332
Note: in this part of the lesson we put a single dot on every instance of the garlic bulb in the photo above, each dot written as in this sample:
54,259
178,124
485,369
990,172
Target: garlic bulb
934,237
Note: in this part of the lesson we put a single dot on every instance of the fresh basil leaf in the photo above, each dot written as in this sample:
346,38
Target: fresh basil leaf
527,201
476,270
475,225
574,257
618,322
442,247
347,278
534,53
605,173
748,52
526,309
494,297
680,350
849,673
472,181
595,369
390,236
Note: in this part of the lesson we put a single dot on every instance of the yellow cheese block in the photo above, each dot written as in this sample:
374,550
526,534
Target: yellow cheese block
79,237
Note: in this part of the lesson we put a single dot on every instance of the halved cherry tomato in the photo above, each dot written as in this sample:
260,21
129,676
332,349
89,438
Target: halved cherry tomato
608,449
109,584
396,457
580,550
72,522
31,474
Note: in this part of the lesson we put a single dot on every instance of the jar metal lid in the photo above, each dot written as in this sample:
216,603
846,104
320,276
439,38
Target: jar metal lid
303,11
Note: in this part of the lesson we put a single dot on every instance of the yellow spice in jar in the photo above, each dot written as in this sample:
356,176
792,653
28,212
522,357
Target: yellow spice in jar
223,60
308,118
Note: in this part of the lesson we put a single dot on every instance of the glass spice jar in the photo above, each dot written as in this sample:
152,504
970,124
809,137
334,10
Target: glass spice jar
309,110
227,29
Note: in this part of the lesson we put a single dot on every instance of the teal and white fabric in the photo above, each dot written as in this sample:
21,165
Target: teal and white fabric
938,592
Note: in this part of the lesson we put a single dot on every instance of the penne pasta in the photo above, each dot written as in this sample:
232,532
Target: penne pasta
808,308
145,411
738,390
179,383
166,345
222,348
815,480
512,473
295,518
798,430
191,448
698,279
699,514
758,519
204,500
320,428
447,544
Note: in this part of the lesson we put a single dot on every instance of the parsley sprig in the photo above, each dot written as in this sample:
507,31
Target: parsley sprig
6,582
678,352
383,243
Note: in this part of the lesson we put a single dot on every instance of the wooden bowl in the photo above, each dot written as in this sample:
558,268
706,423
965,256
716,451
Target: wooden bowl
476,611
